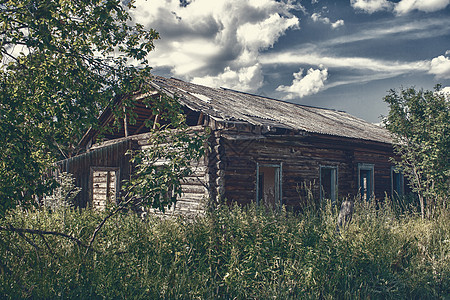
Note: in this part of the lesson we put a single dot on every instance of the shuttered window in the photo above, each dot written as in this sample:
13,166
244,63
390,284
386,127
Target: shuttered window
104,187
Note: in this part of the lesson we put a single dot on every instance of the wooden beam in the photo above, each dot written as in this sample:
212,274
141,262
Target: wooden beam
200,119
157,118
143,124
125,122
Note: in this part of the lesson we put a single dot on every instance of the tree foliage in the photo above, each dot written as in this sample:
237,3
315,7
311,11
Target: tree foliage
62,63
420,124
171,156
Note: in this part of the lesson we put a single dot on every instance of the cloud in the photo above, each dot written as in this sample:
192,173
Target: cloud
262,35
406,6
316,17
371,6
397,28
244,79
446,92
219,41
356,63
400,8
440,67
306,85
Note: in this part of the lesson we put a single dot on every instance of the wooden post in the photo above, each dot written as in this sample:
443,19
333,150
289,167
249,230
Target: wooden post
125,122
157,118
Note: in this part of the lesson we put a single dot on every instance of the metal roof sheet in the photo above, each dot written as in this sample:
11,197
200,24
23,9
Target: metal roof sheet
229,105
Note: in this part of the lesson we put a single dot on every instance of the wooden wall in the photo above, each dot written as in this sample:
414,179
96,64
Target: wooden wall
81,166
194,196
301,157
105,161
228,170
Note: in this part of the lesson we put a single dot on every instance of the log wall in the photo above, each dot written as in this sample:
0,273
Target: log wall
228,170
100,172
301,157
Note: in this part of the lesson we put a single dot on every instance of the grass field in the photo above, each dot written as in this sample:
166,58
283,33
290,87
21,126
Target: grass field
243,253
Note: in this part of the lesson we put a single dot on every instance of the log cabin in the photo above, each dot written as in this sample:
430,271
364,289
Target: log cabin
259,150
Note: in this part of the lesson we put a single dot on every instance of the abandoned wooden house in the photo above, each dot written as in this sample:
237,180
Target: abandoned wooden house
260,149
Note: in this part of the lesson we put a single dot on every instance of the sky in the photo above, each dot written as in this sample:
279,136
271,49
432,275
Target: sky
344,55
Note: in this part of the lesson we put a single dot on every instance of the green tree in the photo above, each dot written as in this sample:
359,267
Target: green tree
420,125
62,63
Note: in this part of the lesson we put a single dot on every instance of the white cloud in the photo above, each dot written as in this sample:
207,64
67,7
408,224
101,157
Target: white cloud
411,30
216,42
243,79
262,35
440,67
446,92
316,17
406,6
356,63
371,6
337,24
306,85
402,7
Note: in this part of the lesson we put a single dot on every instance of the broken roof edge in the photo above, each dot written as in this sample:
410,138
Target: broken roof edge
161,85
103,118
298,132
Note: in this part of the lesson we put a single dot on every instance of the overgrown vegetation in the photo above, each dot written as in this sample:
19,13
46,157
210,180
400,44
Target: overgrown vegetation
62,63
420,125
232,252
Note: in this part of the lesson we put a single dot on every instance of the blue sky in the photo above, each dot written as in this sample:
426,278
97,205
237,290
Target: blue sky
344,54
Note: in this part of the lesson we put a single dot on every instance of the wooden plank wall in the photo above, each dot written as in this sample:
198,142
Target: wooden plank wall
228,170
104,187
112,156
195,187
301,157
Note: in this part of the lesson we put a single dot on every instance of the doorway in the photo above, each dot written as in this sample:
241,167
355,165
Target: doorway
269,185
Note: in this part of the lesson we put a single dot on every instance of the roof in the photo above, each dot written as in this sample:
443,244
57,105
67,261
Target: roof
226,105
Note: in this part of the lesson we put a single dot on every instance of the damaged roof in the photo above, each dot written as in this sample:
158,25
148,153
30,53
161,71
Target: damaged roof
226,105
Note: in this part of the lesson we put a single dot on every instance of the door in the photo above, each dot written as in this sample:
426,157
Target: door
269,185
104,187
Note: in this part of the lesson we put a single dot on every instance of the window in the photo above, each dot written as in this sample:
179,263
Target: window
328,183
104,186
397,182
269,184
365,181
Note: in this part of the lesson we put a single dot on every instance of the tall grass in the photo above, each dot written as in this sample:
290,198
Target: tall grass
233,252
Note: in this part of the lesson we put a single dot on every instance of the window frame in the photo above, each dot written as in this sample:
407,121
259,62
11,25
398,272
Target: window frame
278,175
336,181
371,168
395,170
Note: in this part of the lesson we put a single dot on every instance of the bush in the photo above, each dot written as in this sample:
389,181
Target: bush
232,252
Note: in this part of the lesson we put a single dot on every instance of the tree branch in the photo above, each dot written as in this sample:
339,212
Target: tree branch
21,231
121,206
